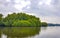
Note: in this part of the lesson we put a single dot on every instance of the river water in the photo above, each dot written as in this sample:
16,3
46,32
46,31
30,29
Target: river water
30,32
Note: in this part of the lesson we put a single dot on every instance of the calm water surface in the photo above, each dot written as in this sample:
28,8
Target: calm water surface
30,32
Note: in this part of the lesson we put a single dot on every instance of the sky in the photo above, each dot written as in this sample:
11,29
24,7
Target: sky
47,10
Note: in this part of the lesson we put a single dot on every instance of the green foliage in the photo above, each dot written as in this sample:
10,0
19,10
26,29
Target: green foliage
20,19
44,24
21,23
1,20
1,17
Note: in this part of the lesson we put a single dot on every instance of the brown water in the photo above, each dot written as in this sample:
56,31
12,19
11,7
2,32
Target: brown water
30,32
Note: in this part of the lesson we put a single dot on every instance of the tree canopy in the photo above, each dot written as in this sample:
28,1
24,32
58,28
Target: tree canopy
21,19
1,17
1,20
44,24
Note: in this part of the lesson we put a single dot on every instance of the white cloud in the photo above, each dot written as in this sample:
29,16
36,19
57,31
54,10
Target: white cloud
20,4
48,2
45,2
40,3
17,1
50,19
8,0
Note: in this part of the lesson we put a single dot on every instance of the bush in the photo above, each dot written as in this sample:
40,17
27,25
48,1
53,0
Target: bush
44,24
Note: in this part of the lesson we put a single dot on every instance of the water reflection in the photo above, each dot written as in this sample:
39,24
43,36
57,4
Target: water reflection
30,32
50,32
0,32
20,32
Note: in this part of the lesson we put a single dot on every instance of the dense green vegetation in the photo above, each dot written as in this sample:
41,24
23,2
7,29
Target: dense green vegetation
44,24
20,19
1,20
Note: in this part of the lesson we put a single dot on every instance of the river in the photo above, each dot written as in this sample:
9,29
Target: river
30,32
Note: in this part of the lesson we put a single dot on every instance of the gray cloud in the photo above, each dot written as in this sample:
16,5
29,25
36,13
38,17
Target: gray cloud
6,7
41,8
49,13
44,9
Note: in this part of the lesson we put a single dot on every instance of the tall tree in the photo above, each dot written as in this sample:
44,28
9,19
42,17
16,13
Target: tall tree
1,20
1,17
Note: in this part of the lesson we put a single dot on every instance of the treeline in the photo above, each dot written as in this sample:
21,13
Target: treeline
50,24
20,19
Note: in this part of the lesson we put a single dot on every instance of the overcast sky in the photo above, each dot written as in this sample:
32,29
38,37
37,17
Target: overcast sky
46,10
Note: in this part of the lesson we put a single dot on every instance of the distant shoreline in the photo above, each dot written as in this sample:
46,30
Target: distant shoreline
50,24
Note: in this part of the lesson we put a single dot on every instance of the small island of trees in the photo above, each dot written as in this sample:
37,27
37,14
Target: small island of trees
20,20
